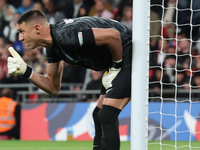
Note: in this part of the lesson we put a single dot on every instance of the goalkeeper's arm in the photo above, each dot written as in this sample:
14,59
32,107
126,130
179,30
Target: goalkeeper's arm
50,83
112,39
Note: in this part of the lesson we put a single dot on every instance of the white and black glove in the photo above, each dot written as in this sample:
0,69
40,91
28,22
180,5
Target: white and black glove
110,75
16,65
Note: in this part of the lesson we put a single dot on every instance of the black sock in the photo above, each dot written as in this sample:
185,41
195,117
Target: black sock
98,131
108,117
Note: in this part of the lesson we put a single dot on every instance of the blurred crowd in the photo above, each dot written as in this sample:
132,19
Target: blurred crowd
174,50
55,10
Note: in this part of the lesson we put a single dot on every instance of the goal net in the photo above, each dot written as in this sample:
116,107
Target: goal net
174,75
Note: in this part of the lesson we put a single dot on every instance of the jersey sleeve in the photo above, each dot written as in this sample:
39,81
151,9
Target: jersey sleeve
52,57
74,36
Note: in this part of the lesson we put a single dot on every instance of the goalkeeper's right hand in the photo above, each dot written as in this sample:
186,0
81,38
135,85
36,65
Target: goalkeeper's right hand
16,65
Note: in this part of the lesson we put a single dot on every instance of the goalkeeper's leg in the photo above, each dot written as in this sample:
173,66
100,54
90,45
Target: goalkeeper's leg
98,132
108,117
111,102
97,125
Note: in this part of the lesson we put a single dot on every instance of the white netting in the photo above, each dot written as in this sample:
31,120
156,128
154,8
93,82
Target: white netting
174,74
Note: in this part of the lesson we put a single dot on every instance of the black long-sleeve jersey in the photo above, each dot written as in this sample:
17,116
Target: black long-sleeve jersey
68,43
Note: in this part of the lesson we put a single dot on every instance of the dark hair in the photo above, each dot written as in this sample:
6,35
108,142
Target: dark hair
7,93
55,2
31,14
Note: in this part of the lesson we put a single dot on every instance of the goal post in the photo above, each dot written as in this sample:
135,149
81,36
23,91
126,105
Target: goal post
140,64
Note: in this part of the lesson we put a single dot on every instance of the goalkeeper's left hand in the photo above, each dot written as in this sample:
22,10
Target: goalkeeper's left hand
110,75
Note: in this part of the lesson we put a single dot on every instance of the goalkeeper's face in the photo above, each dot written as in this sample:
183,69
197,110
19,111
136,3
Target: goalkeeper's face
28,34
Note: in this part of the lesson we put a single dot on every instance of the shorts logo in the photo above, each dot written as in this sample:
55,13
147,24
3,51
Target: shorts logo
109,88
80,38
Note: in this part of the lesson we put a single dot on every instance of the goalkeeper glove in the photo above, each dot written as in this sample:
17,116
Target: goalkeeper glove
110,75
16,65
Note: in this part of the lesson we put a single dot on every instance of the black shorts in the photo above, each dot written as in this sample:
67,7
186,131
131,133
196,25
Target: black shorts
121,85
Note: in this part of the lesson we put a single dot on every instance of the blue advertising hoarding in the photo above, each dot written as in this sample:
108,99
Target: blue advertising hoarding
65,121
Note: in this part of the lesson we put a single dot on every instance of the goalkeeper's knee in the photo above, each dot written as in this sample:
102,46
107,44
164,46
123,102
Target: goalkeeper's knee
108,115
98,131
97,122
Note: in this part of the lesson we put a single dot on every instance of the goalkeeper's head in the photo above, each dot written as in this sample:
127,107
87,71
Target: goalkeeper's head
32,27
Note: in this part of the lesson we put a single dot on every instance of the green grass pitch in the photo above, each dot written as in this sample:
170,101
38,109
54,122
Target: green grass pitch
86,145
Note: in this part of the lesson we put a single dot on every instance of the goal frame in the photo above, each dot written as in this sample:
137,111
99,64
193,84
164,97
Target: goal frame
140,75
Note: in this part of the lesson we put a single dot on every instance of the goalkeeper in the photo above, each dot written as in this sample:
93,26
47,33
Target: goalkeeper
90,42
